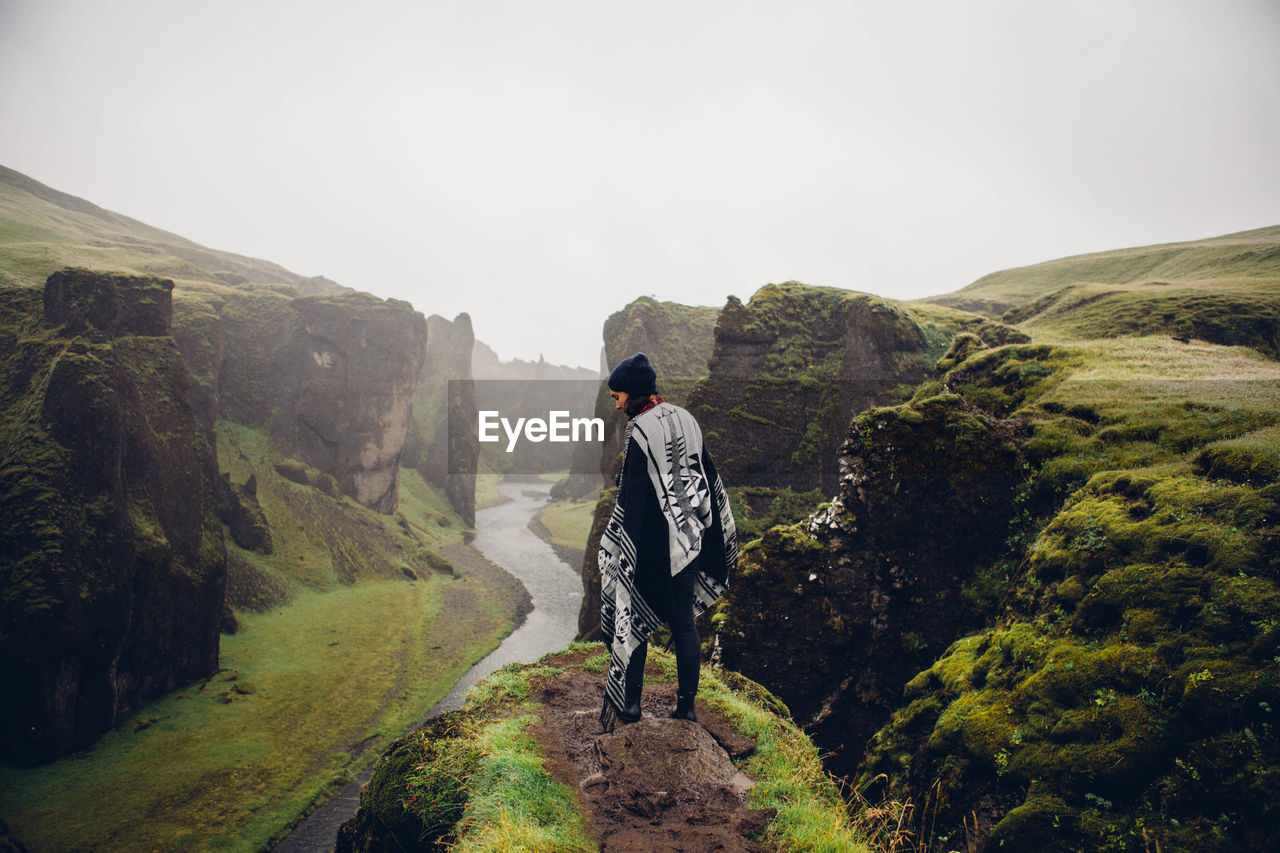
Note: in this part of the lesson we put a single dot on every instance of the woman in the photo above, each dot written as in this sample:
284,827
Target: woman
669,546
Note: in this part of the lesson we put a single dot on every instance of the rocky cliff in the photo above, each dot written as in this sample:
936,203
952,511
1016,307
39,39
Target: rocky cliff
113,561
1081,560
442,443
925,497
791,366
786,373
331,377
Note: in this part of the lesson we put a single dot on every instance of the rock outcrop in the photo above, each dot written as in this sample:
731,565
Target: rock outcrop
831,612
442,444
1085,575
528,744
331,377
787,372
113,565
793,365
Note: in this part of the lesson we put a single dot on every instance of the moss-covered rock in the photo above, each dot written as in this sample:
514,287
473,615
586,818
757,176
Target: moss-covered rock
113,564
793,365
417,792
925,502
244,517
1111,672
1120,695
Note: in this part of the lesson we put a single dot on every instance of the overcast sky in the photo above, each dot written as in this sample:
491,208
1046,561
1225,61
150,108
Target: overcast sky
540,164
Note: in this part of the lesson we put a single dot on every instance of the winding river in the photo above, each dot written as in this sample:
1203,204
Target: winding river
502,535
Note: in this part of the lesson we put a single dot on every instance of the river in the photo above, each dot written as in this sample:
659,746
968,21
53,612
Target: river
503,536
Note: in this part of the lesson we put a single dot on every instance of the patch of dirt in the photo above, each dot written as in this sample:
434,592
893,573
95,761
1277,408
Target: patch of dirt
657,785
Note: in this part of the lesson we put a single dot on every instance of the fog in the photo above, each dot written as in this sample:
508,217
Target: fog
539,165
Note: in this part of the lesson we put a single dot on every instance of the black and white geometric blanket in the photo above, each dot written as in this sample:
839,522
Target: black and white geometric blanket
695,505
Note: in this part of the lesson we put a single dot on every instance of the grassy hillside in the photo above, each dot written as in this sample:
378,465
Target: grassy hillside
1247,261
43,230
1225,290
1121,694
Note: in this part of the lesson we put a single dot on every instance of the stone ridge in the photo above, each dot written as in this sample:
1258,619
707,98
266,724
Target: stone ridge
792,366
924,496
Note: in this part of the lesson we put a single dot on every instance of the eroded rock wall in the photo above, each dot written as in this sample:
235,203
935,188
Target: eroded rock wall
113,561
793,365
442,444
837,614
331,377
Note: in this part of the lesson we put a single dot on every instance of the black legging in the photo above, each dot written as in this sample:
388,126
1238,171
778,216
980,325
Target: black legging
684,636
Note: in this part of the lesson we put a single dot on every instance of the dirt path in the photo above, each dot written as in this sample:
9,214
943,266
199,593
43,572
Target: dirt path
657,785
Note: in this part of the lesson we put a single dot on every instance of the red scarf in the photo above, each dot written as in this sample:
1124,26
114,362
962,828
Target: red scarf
649,405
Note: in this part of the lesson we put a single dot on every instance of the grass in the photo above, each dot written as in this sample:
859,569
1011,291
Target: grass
789,777
1136,636
487,493
516,804
568,521
336,657
322,540
1243,261
42,230
225,765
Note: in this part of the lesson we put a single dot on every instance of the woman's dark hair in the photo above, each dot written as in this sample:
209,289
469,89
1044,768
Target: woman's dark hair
634,405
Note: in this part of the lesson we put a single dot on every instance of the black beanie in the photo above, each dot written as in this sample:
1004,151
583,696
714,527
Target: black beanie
635,376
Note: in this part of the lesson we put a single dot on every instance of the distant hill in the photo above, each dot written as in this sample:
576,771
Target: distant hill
1224,290
485,364
43,230
1248,259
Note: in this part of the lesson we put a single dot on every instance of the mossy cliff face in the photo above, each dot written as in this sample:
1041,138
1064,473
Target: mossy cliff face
331,377
1122,697
1117,688
792,366
836,614
443,433
114,567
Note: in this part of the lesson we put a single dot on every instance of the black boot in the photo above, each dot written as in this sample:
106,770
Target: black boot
631,713
684,708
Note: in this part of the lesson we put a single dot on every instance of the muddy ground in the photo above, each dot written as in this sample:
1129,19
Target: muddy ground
657,785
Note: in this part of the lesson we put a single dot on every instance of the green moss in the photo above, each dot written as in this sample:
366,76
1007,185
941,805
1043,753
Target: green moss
1253,458
1133,623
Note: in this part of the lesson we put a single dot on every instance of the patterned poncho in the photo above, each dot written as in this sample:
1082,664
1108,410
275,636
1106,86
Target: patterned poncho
699,526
